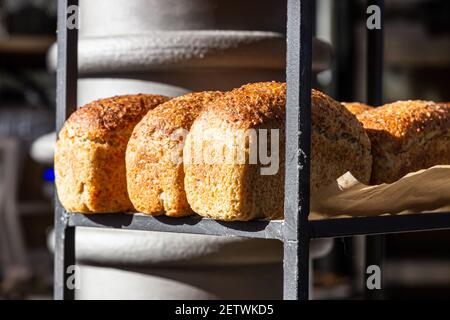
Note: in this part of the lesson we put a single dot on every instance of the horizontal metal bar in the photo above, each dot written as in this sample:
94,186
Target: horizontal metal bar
196,225
329,228
342,227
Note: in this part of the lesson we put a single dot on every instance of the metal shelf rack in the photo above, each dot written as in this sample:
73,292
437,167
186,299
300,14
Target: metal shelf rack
295,231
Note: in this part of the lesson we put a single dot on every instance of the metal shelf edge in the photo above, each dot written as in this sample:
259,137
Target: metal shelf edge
342,227
327,228
194,225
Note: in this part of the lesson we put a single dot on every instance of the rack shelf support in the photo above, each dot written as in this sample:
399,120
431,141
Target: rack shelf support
66,103
375,244
296,227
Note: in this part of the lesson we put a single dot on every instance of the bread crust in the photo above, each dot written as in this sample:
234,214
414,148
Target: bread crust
356,107
339,143
407,136
90,153
155,174
235,191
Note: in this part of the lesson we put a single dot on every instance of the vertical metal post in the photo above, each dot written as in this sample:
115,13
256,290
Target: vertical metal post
66,102
375,57
344,42
298,143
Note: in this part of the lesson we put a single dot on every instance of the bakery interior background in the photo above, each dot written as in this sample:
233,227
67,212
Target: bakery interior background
417,65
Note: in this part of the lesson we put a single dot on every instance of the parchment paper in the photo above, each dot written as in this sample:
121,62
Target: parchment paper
422,191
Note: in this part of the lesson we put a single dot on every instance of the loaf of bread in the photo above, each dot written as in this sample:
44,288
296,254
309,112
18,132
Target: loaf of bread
407,136
90,153
155,174
225,187
356,107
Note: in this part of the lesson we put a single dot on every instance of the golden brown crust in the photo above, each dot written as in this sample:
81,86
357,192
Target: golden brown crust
407,136
90,153
356,107
155,173
252,104
236,191
101,118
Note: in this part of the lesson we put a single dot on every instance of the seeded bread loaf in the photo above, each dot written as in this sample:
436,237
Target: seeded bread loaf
356,107
90,153
407,136
155,174
225,188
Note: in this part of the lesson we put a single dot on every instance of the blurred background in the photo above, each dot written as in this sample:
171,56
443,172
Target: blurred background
417,65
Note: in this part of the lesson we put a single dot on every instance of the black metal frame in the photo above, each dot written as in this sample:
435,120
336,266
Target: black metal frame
66,103
296,230
375,63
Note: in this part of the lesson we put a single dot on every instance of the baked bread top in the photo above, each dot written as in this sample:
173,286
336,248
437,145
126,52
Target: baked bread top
251,105
176,113
102,118
398,126
356,107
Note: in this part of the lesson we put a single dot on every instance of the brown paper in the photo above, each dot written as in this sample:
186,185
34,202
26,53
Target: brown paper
422,191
